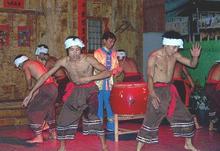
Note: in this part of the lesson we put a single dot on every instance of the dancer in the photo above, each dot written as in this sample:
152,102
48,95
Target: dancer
213,93
41,106
163,100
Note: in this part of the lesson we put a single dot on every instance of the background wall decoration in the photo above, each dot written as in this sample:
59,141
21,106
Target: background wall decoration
13,4
4,35
24,34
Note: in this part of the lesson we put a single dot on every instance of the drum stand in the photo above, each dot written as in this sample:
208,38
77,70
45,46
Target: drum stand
120,131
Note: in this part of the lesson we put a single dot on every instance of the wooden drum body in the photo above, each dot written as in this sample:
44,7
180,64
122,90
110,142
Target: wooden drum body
129,97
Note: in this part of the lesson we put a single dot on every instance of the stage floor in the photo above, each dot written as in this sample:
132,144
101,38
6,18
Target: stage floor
12,139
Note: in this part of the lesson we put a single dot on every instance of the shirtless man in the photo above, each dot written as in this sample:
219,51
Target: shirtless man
60,76
129,67
213,94
41,108
163,97
184,88
83,98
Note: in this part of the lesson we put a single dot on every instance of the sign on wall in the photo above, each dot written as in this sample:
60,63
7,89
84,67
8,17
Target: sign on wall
4,35
209,20
13,4
179,24
24,34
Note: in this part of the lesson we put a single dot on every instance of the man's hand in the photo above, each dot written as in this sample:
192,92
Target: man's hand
155,100
192,87
195,51
29,98
26,100
116,71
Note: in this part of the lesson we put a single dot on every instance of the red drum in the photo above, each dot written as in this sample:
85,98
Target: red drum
129,97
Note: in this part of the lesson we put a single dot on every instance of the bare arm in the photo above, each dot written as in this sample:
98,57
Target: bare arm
104,73
40,81
195,52
150,74
44,77
28,78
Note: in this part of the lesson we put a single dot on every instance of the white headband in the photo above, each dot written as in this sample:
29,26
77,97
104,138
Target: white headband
76,42
173,42
41,50
121,54
20,60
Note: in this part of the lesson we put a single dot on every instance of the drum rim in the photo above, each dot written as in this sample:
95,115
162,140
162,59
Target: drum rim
130,84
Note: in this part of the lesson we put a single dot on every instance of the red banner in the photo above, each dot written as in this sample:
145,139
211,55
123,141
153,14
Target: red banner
14,4
82,20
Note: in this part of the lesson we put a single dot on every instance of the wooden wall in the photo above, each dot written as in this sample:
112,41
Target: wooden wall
154,15
51,21
122,13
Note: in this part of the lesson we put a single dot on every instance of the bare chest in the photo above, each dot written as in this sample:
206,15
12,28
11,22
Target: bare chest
78,68
164,65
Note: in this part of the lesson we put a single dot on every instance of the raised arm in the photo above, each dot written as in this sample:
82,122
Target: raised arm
195,52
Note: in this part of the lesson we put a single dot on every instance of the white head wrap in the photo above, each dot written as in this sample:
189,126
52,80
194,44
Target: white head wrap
41,50
74,42
218,61
173,42
121,54
20,60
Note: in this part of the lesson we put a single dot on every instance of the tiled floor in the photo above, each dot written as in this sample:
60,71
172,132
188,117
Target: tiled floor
11,139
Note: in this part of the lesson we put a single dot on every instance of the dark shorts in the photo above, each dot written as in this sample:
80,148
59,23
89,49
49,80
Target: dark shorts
82,101
41,108
181,121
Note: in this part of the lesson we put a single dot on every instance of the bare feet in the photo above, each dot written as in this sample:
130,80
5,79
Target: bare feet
45,126
198,126
189,146
105,148
62,146
37,139
103,142
53,135
139,146
61,149
196,123
211,127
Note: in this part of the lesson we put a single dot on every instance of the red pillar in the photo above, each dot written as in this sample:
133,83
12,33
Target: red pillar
82,20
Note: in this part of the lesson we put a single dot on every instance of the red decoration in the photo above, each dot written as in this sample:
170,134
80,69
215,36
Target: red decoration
4,35
82,20
13,4
24,34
